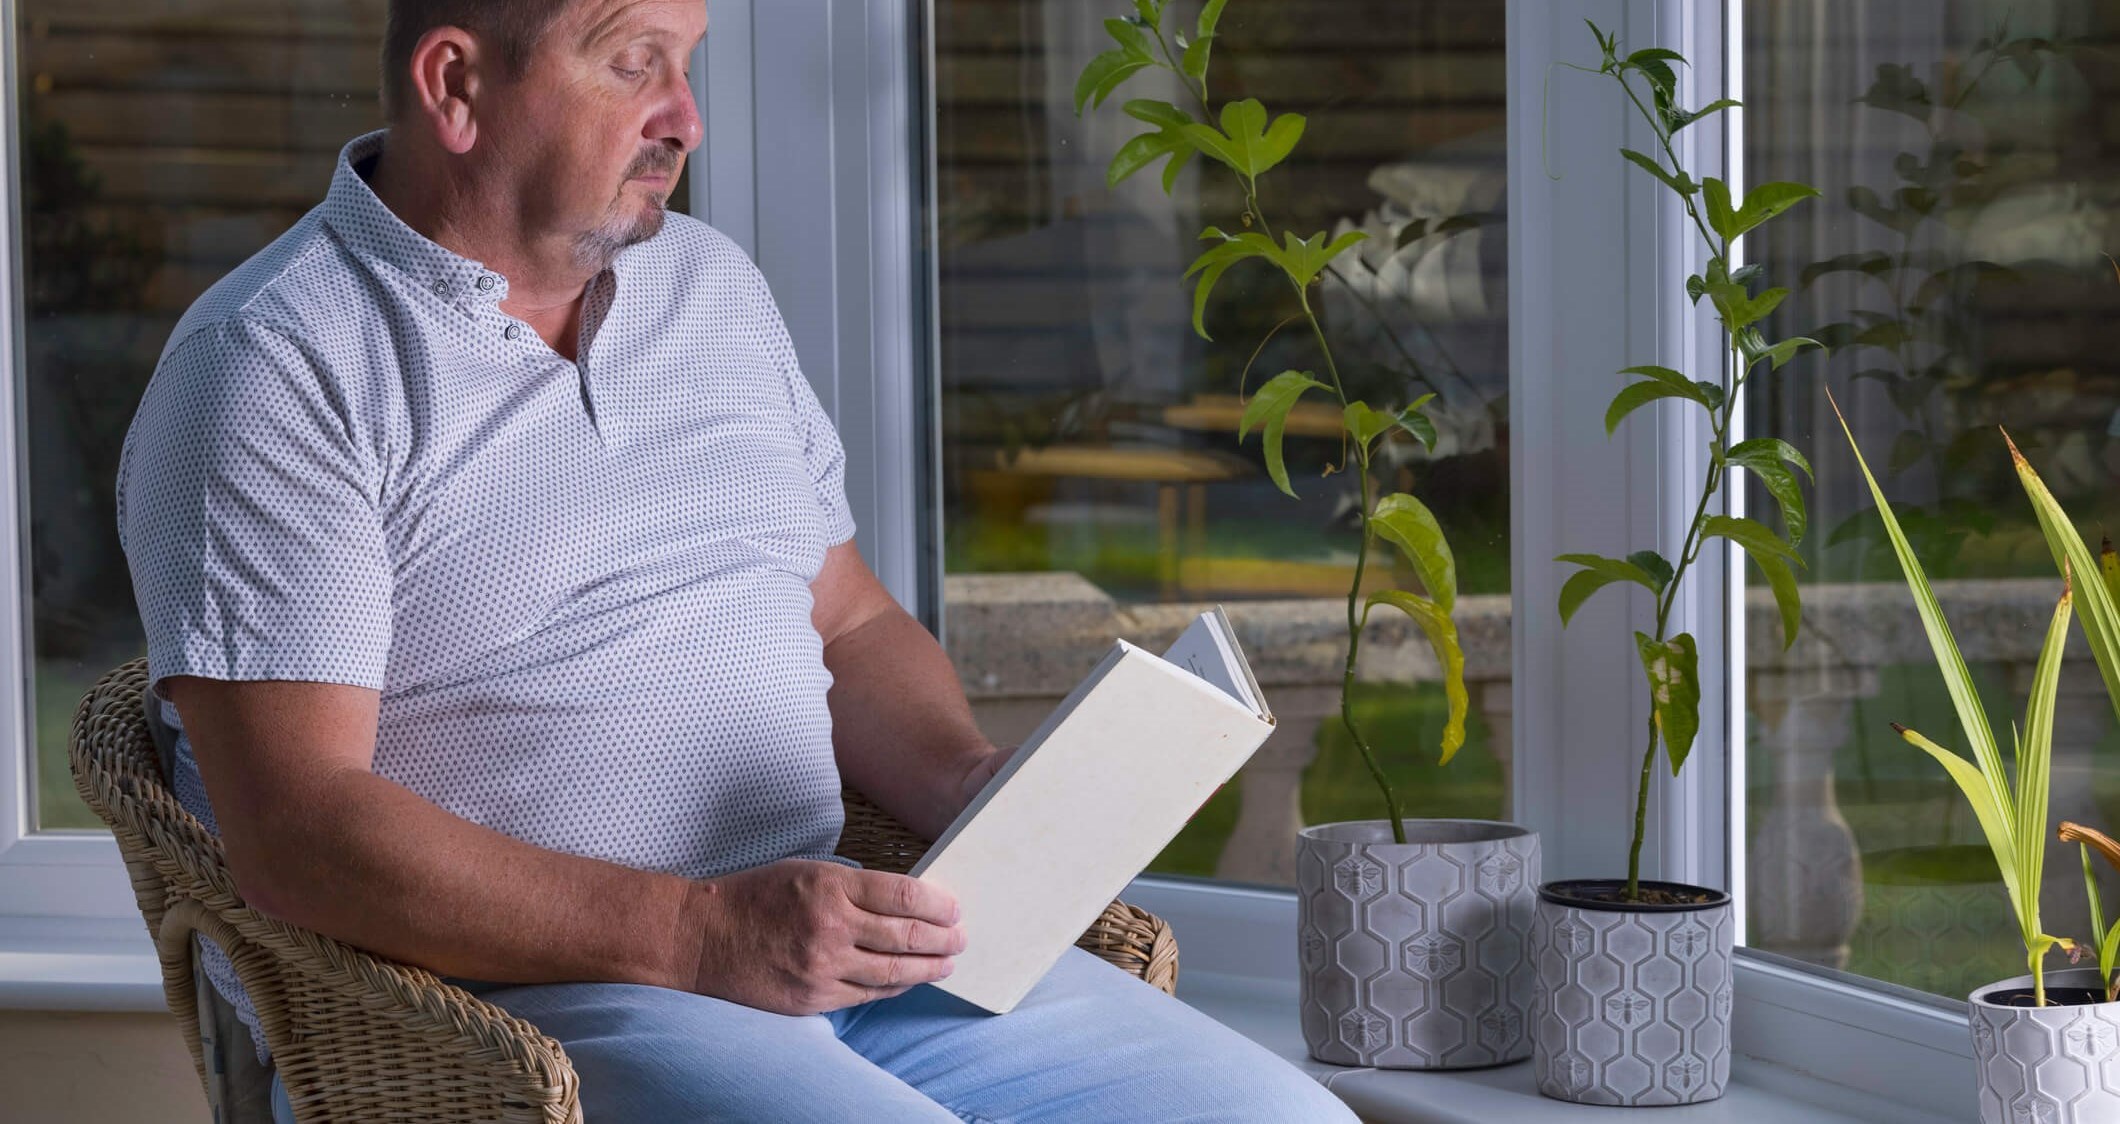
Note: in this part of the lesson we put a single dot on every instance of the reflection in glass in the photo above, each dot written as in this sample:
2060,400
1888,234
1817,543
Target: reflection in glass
1957,266
1089,435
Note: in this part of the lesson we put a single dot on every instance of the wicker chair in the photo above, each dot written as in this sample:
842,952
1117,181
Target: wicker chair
356,1037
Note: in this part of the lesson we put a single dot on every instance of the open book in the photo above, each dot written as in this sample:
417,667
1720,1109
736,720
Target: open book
1095,794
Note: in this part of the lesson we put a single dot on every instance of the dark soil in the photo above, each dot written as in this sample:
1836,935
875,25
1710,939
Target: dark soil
2055,997
1611,893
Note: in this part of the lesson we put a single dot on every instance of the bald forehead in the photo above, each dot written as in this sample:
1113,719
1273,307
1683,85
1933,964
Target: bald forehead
594,24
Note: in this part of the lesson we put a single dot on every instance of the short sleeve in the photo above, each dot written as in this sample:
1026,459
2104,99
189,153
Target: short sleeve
824,455
247,510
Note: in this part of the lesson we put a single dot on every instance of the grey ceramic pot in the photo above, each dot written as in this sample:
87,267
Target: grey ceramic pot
1634,1001
2046,1065
1416,955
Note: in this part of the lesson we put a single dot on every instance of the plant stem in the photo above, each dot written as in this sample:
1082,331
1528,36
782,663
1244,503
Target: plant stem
1355,616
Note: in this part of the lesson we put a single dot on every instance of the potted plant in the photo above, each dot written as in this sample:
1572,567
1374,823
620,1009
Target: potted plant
2047,1044
1413,936
1635,975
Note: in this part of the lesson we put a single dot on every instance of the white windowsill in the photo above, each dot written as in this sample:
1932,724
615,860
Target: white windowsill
44,973
1759,1093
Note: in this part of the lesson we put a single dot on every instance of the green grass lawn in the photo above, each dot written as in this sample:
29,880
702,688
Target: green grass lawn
1935,916
60,685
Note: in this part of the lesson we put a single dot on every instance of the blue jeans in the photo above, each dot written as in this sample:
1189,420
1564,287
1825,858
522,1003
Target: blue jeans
1089,1043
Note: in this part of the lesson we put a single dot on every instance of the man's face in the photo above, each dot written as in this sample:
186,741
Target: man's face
597,128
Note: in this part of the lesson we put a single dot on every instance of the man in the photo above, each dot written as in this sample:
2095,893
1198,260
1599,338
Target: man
496,568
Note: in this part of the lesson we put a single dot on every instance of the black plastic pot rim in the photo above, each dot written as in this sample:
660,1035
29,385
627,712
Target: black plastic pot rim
1564,892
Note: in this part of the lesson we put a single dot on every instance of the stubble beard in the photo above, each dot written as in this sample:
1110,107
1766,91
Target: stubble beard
624,224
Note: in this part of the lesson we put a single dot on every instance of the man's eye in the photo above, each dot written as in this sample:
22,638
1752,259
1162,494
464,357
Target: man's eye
626,74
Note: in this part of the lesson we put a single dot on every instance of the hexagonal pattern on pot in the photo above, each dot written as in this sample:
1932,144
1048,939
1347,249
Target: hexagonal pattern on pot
1633,1007
1416,955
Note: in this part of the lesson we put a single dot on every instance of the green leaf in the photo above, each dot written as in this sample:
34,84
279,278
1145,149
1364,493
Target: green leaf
1721,219
1413,419
1766,201
1193,63
1161,114
1989,808
1659,73
1673,667
1767,449
1780,483
2034,760
1989,778
1304,258
2093,579
1739,311
1773,556
1175,165
1654,565
1756,537
1246,142
1269,409
1636,395
1135,155
1103,75
1131,39
1706,393
1679,118
1597,573
1218,258
1788,496
1406,523
1443,638
1151,11
1169,139
1210,16
1676,181
1365,423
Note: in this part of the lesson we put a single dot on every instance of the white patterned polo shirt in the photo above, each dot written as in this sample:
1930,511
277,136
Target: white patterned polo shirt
581,587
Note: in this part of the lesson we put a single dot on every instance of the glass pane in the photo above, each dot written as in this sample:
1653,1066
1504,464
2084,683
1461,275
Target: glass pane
1094,485
161,145
1967,157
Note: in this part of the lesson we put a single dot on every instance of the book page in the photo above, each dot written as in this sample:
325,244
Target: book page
1203,652
1208,650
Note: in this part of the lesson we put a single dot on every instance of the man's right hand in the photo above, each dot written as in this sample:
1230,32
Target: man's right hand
800,937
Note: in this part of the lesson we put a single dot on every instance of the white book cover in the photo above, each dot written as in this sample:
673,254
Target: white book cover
1089,801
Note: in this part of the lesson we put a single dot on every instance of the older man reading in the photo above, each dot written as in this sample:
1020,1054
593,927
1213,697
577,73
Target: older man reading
497,574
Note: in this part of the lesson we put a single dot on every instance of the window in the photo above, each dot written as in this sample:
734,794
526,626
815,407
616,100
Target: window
1957,261
1092,480
158,151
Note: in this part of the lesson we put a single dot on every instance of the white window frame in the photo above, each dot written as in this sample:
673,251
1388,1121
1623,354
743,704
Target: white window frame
817,166
1579,714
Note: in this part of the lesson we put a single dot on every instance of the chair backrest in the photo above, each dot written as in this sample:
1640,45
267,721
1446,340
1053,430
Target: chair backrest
354,1037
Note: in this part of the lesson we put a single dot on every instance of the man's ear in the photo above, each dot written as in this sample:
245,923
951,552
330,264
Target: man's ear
446,81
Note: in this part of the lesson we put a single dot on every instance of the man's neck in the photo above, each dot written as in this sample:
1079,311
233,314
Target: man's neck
546,281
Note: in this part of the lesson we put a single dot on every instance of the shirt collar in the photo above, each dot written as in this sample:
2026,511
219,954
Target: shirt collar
374,233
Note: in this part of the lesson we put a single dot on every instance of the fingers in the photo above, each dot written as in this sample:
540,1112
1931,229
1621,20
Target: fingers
906,935
895,895
872,971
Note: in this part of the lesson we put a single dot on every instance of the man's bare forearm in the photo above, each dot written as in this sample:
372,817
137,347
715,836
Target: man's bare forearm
902,730
369,862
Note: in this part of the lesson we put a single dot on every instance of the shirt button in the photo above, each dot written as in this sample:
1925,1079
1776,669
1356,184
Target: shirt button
512,331
441,288
485,281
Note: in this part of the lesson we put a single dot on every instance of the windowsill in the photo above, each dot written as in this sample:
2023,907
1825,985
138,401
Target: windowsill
1759,1093
106,972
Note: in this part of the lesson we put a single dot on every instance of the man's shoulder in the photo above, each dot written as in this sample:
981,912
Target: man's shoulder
692,256
297,283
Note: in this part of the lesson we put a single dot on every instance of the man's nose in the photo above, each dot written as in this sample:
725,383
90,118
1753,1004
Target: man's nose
676,119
